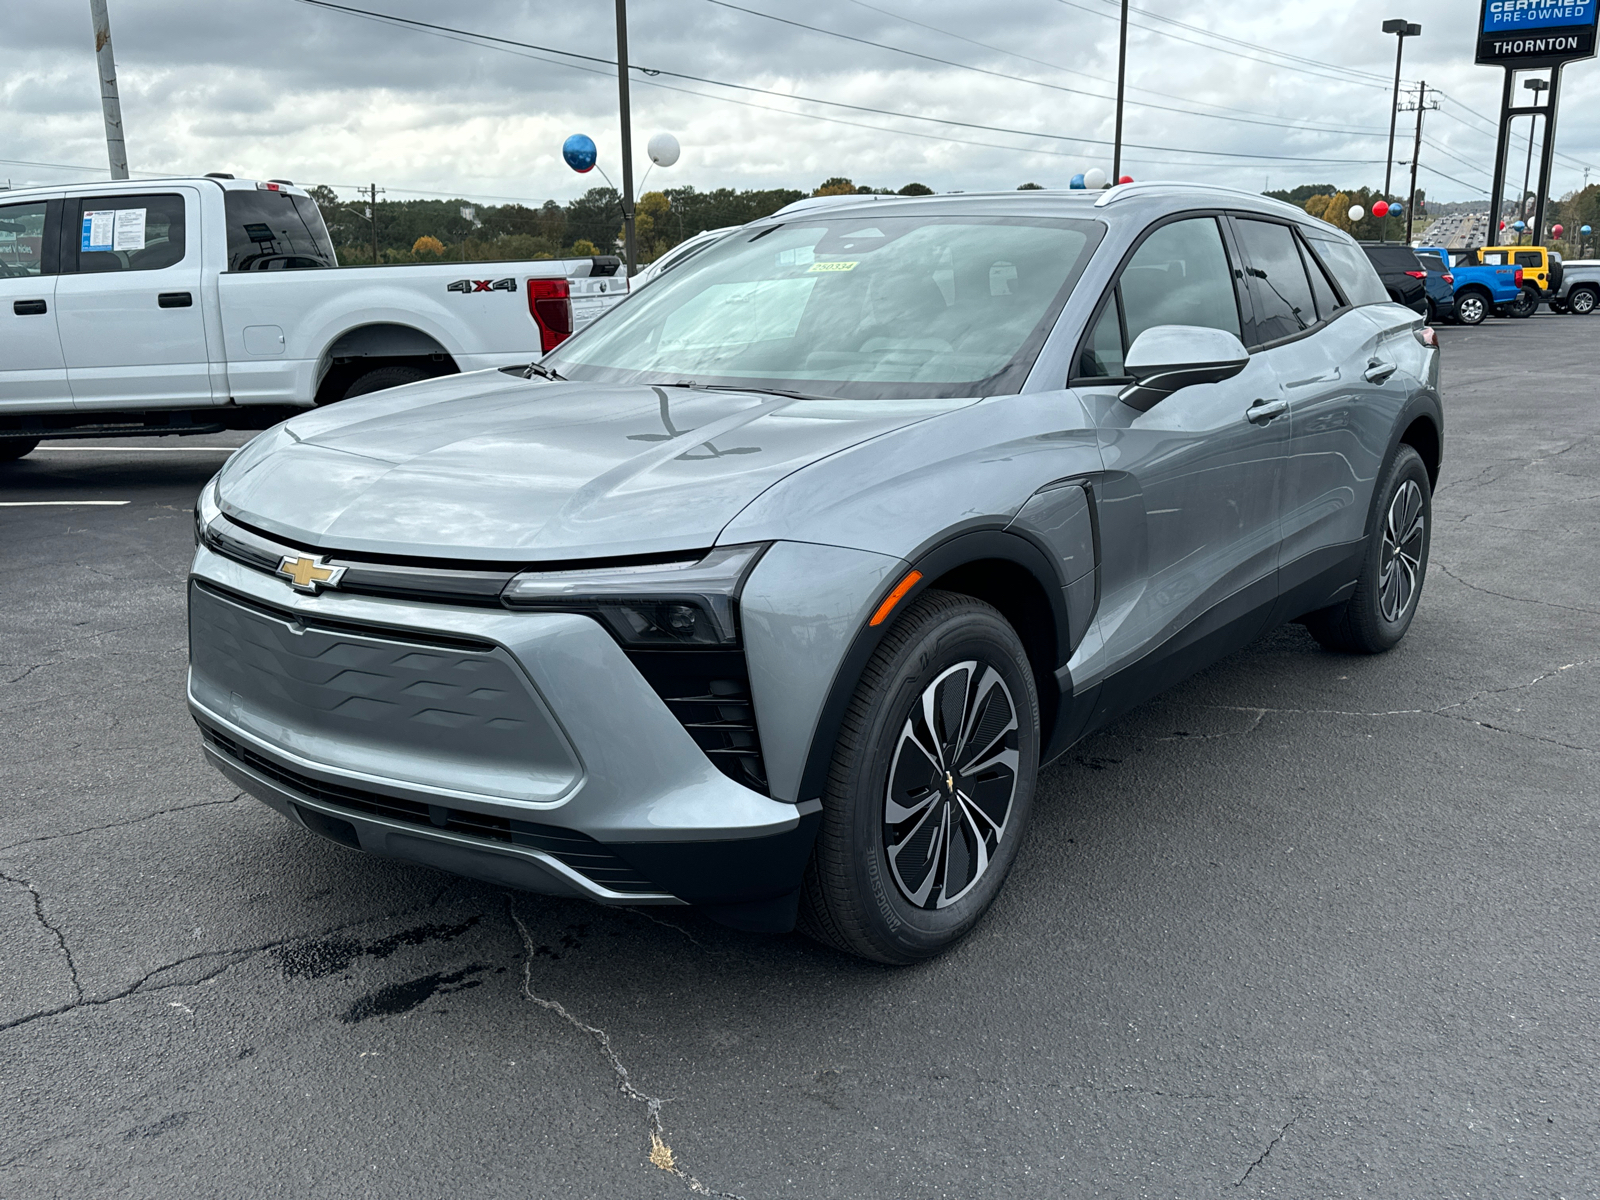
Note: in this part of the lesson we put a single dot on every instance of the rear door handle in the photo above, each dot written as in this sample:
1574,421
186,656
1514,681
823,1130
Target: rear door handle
1378,372
175,300
30,308
1263,411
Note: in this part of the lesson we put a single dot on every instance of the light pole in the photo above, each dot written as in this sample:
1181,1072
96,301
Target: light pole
1122,77
1402,29
1535,86
630,248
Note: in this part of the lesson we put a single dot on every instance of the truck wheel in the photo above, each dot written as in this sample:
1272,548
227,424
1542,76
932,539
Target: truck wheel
931,785
380,378
12,449
1471,308
1524,306
1582,301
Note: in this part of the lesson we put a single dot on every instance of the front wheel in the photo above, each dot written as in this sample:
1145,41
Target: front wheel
1380,611
1471,308
931,785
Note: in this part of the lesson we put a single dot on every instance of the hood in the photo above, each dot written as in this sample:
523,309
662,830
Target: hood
492,468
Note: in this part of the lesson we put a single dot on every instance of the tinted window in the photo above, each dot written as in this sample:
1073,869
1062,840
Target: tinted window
275,231
1322,290
1430,262
1103,355
1392,259
1530,258
1278,281
1350,268
130,233
21,240
1180,276
875,307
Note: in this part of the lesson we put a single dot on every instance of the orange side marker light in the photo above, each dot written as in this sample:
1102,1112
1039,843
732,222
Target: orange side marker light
894,597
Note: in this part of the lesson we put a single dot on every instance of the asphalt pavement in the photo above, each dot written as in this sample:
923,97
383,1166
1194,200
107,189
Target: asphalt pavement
1307,926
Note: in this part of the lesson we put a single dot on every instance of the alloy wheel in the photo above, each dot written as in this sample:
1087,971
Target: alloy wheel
1400,568
1469,309
951,785
1581,302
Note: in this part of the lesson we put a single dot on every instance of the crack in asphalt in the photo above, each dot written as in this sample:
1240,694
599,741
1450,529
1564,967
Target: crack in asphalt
661,1155
160,812
1267,1151
44,921
1594,612
32,667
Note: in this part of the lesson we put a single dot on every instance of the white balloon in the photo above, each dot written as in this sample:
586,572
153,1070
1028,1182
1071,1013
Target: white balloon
1357,212
1094,179
664,149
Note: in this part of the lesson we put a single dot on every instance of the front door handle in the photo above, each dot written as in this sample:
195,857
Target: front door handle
30,308
1263,411
1378,372
175,300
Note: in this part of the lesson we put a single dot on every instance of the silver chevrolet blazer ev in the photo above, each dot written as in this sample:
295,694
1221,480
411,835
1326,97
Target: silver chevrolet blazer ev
772,591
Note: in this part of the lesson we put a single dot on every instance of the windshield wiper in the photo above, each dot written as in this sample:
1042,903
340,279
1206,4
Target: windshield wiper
544,372
730,387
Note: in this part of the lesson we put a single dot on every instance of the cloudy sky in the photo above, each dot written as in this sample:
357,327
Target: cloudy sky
957,95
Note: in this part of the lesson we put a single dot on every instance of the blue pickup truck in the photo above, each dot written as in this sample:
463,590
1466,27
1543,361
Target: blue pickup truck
1481,290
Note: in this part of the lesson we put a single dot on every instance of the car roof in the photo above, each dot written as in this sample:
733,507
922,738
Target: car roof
119,186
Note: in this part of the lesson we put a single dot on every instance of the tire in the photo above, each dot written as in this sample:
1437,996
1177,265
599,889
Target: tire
1432,314
1471,308
13,448
1524,306
380,378
1582,301
1557,307
1393,569
888,799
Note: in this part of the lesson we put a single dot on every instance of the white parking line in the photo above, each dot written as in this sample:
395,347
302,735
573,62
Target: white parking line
136,450
61,503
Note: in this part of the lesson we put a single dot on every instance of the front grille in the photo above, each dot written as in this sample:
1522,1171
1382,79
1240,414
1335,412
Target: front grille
579,851
709,692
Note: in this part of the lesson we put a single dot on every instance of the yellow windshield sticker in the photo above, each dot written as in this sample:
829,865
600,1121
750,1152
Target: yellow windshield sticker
834,266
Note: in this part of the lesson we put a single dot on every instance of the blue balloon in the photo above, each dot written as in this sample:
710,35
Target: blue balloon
1586,231
1519,226
1396,209
1078,183
580,152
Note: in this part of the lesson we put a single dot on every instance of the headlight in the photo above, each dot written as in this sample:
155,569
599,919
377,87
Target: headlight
663,605
207,508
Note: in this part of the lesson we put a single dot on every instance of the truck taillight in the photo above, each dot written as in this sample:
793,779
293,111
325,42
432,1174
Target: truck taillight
550,306
1519,276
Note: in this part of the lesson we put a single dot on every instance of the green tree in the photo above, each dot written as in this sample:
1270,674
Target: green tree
1030,187
916,189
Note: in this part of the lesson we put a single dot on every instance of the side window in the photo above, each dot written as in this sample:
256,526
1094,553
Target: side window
130,233
275,231
1178,276
1322,290
1278,282
1348,264
1494,258
22,240
1531,259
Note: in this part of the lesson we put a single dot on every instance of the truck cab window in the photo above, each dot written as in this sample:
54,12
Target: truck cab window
130,233
275,231
21,240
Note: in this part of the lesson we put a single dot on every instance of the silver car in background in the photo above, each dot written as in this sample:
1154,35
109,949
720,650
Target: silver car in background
772,591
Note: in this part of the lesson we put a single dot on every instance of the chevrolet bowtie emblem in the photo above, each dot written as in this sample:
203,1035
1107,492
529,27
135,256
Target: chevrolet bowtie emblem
309,574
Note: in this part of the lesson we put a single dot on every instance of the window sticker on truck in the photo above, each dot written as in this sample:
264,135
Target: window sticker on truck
114,229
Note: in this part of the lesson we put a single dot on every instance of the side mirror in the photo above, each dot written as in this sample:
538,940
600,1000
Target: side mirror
1166,358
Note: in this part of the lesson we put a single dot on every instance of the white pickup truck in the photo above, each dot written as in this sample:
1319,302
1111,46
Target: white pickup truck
191,305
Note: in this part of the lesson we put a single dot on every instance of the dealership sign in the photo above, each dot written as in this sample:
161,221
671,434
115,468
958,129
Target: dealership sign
1536,33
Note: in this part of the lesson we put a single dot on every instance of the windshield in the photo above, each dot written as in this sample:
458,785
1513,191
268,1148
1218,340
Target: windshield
862,307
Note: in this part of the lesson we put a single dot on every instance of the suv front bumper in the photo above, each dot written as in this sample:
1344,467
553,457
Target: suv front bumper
522,749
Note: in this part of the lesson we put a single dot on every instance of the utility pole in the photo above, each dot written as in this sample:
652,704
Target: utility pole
1122,79
1402,29
374,191
1416,153
627,138
110,105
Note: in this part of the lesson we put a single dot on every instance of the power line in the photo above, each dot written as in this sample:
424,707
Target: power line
491,41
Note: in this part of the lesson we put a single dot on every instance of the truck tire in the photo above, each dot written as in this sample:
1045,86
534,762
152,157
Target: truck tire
1472,306
1524,306
13,448
381,378
1582,301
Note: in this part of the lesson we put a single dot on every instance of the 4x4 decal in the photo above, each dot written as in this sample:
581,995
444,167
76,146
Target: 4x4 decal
482,285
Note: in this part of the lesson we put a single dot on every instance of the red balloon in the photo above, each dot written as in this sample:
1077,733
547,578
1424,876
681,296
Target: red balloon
1502,226
1558,231
1381,209
1126,179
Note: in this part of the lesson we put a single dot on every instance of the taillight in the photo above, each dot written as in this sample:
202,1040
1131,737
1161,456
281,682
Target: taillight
1449,278
1519,277
1417,274
550,306
1428,337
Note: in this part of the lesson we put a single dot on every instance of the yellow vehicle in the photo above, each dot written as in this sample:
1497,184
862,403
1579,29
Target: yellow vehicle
1541,271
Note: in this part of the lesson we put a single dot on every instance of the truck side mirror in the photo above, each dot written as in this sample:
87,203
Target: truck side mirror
1165,358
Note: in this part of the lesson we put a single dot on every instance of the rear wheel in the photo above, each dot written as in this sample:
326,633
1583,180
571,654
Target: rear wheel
1471,308
12,449
1524,306
1378,614
931,785
1433,312
380,378
1582,300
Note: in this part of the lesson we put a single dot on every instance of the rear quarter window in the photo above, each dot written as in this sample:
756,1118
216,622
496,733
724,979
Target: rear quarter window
1350,267
275,231
1431,262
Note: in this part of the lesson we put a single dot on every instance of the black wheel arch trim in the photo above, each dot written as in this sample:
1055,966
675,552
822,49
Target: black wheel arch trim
937,559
